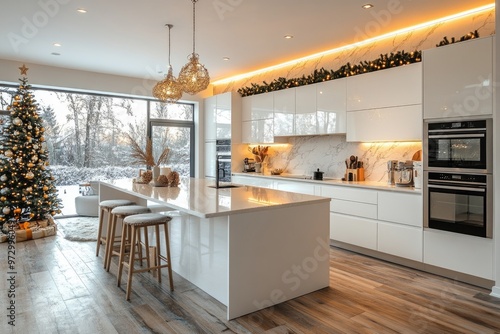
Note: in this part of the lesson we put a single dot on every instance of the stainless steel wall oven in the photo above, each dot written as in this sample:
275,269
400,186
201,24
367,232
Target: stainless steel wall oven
461,145
460,203
458,179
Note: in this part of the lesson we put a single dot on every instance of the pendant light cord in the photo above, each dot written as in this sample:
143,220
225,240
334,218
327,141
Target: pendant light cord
169,28
194,20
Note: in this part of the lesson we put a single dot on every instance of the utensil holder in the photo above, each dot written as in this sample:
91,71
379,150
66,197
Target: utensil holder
351,175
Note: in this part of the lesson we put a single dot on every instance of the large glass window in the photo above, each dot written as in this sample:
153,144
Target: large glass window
86,135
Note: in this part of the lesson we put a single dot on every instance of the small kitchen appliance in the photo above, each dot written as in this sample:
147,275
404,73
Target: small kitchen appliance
403,175
391,169
249,165
417,174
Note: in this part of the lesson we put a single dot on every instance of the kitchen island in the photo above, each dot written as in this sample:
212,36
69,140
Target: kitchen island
248,247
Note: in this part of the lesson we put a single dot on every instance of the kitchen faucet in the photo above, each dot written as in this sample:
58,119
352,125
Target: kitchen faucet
217,172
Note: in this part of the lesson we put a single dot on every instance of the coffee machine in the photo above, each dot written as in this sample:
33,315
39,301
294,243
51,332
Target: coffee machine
249,165
391,170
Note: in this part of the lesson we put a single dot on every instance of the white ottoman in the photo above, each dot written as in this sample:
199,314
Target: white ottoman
87,205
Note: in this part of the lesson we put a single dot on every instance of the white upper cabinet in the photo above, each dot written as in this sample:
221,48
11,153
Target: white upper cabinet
284,112
223,116
210,118
331,106
396,86
259,131
458,79
305,110
385,124
257,107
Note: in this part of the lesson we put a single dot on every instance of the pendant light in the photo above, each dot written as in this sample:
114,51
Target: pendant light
168,90
193,76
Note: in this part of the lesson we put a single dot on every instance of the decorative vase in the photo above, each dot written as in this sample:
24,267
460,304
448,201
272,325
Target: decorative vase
258,167
156,173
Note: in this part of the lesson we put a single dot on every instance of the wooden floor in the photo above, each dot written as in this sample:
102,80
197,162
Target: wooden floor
62,288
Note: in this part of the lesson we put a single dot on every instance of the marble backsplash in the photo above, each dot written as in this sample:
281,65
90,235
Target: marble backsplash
304,155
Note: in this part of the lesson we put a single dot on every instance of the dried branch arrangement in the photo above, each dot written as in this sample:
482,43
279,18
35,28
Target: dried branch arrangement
145,157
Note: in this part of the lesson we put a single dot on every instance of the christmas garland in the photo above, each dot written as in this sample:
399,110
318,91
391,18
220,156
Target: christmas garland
470,35
384,61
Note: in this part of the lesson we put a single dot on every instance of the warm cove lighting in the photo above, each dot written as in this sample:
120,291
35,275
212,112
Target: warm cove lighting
357,44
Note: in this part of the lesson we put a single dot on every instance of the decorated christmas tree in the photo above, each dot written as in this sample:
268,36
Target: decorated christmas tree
27,190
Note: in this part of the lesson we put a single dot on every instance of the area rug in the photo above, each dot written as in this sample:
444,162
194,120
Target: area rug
78,228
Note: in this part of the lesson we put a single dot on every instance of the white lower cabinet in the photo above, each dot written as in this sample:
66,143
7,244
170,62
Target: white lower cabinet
353,230
400,240
295,187
400,208
463,253
252,181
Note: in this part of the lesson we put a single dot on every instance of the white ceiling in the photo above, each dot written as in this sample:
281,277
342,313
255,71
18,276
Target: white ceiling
128,37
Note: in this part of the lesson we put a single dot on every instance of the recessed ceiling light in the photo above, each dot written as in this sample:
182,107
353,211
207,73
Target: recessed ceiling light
367,6
225,58
55,54
57,44
81,10
288,36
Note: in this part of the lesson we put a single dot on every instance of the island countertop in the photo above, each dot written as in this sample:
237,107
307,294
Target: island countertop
196,197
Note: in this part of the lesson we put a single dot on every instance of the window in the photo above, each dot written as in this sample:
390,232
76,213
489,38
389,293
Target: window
86,135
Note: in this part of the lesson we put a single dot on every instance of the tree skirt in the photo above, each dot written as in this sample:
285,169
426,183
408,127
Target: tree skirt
79,228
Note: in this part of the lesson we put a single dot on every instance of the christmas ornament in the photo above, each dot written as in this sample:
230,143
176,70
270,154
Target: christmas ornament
19,160
30,175
34,158
15,148
3,178
29,189
6,210
17,121
8,153
4,191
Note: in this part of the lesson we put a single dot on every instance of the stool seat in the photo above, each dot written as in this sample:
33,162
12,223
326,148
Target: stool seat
105,207
130,210
146,219
113,203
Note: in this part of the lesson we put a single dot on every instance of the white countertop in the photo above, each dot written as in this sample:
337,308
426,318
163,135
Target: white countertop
195,197
336,182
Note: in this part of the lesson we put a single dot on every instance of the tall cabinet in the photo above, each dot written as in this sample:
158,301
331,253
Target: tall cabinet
222,119
458,79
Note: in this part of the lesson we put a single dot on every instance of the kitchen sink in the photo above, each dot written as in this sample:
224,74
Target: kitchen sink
225,186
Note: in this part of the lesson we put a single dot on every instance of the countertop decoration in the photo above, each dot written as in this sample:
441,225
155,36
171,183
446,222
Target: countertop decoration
145,157
260,152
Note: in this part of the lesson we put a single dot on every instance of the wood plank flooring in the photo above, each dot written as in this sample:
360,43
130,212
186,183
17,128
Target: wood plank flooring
61,287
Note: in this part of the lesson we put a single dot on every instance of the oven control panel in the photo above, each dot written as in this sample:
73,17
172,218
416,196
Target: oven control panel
469,178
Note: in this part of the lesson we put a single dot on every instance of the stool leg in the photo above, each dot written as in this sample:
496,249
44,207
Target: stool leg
110,243
146,246
157,255
108,233
122,252
131,262
167,243
99,232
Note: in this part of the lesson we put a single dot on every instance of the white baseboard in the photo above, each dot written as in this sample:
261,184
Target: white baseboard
495,291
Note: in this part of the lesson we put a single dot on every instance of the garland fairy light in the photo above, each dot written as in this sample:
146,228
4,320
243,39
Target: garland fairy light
385,61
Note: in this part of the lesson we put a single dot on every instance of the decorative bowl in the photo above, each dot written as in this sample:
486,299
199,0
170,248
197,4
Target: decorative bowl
277,171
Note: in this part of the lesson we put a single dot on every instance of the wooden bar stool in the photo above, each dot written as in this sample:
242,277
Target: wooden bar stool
135,223
120,212
107,206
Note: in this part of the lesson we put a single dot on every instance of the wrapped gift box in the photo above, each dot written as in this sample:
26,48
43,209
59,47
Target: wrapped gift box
31,230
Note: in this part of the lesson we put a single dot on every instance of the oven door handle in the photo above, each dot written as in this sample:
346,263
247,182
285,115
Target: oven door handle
479,190
464,135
